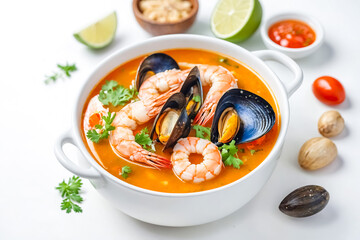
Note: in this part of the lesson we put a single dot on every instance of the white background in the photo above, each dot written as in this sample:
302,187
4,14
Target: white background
36,35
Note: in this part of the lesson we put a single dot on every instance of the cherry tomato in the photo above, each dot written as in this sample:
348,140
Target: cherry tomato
328,90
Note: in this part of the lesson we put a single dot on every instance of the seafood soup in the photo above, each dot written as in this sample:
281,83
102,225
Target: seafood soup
180,121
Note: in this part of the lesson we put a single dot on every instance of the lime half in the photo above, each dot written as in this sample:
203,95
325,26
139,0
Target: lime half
99,34
236,20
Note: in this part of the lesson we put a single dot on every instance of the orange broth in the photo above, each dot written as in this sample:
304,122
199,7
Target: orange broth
165,180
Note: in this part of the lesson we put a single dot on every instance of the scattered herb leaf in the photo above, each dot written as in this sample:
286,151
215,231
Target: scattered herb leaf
202,131
65,70
70,193
228,153
115,94
241,150
196,98
252,151
125,170
102,132
225,61
144,140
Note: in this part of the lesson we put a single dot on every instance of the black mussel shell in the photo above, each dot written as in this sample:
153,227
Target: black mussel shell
177,101
157,62
305,201
192,89
256,115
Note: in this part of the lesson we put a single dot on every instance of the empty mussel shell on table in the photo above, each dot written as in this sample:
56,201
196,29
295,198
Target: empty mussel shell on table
242,116
305,201
172,122
156,63
192,90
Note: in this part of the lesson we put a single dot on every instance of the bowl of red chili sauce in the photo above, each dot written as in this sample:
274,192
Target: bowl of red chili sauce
294,34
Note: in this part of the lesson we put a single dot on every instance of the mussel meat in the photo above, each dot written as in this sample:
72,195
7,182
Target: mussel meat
172,122
156,63
241,116
192,90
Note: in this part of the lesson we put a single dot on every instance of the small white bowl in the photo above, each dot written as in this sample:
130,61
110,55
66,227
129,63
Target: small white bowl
293,52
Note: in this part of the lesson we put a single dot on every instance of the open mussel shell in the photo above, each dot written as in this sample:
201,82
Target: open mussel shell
192,90
241,116
172,122
156,63
305,201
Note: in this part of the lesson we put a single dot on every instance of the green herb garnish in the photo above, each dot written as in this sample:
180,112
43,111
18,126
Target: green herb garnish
225,61
229,155
196,98
125,170
144,140
202,132
252,151
112,92
65,70
70,193
101,132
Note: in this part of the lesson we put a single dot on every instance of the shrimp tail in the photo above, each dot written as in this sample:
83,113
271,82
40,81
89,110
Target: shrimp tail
151,159
205,114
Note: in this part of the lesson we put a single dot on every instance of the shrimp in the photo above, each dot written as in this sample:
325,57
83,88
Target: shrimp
158,88
93,114
220,80
122,139
185,170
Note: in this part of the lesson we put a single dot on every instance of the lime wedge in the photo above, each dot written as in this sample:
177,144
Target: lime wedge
99,34
236,20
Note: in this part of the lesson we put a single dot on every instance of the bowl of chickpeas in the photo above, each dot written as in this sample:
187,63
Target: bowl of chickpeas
159,17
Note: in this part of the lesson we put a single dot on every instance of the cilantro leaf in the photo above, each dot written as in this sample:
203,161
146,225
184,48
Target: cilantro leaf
112,92
252,151
67,69
102,132
228,152
201,131
125,170
144,140
196,98
70,193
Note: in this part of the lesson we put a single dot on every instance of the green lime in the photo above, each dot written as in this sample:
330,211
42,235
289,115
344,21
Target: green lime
99,34
236,20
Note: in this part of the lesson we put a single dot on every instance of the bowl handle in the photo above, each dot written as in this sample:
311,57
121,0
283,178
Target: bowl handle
67,163
293,85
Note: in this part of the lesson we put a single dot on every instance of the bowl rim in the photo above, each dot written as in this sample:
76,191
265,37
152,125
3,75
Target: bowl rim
308,19
284,113
139,14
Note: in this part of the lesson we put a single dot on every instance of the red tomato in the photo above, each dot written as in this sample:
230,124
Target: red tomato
328,90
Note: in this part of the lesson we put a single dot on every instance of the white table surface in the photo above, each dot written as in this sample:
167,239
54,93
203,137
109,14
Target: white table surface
36,35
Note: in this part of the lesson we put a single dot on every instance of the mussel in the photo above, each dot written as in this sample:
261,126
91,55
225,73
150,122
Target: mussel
305,201
192,90
156,63
172,122
241,116
175,117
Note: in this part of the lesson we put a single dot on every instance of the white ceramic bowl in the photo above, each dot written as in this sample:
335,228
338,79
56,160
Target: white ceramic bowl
293,52
181,209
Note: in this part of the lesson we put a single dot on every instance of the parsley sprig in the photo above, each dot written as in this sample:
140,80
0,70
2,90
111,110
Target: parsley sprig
102,132
144,140
125,171
70,193
229,155
112,92
64,70
202,132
